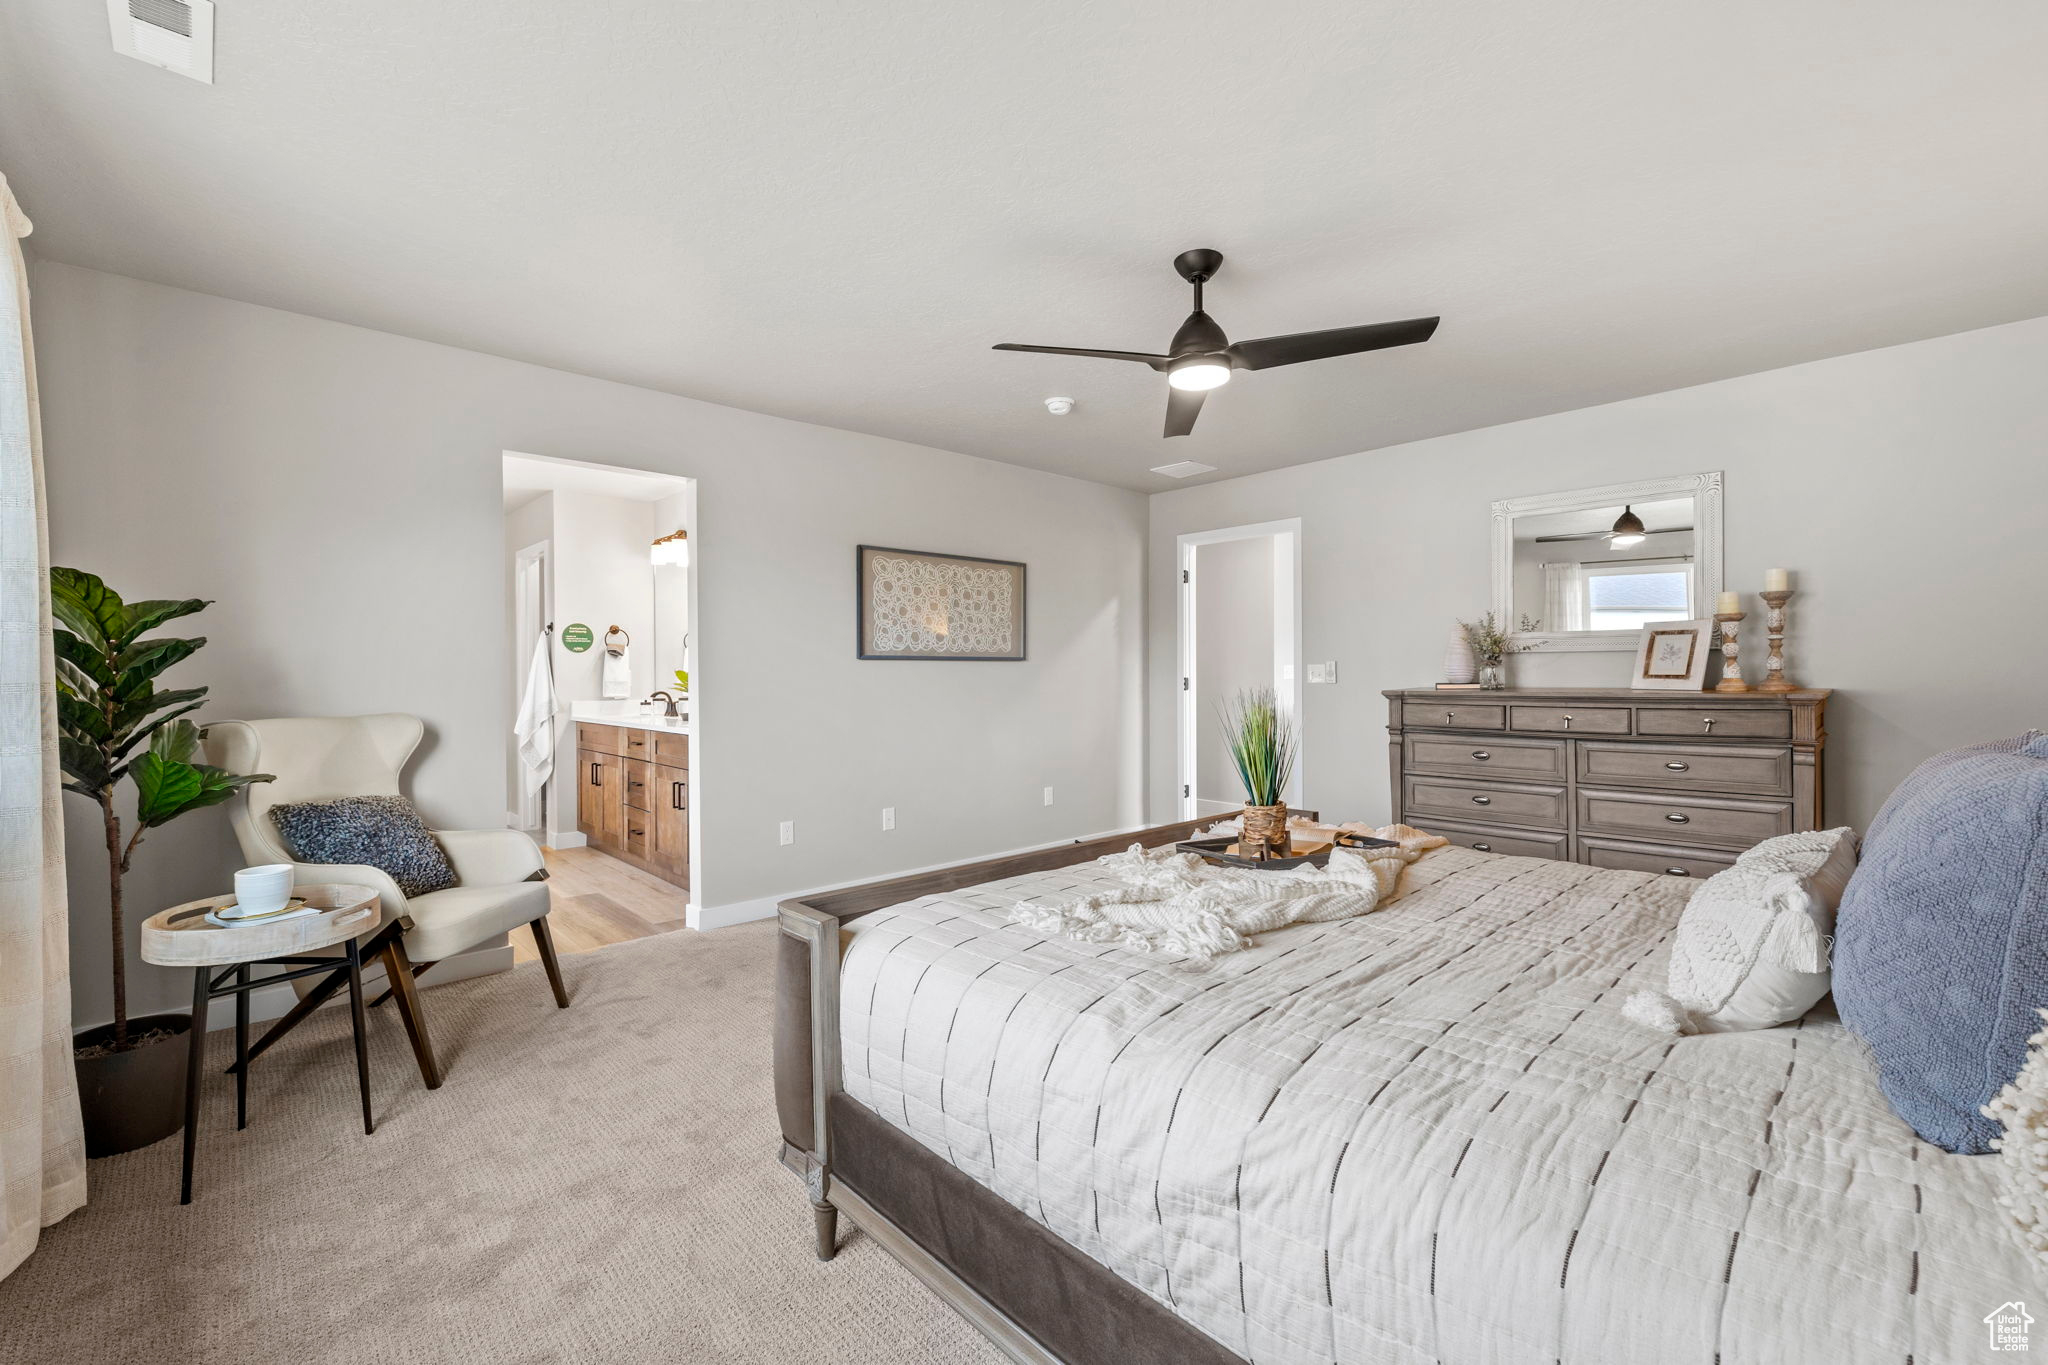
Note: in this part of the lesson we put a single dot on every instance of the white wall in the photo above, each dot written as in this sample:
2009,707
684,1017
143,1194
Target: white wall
338,491
1905,487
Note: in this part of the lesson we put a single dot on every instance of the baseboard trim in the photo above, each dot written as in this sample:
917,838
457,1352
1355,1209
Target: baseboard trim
764,907
274,1002
566,838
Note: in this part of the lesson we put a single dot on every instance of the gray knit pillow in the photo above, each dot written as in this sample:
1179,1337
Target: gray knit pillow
377,831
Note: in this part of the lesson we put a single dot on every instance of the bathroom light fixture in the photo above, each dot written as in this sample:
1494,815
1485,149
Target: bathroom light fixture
673,549
1628,529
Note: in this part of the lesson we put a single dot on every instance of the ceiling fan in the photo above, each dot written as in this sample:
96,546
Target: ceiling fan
1628,530
1201,358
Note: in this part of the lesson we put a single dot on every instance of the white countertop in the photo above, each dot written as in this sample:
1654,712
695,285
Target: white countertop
657,722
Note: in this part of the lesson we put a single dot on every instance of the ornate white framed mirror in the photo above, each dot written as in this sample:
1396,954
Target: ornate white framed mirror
1592,566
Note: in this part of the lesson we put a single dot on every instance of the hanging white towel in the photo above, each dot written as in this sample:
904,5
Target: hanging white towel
618,676
535,725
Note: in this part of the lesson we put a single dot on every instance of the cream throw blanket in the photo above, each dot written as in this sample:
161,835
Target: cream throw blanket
1177,903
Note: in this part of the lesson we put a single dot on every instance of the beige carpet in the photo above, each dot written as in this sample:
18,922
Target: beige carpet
591,1184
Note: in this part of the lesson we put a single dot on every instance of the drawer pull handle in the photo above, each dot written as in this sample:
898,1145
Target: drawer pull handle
1483,848
1678,767
1482,800
1567,722
1677,819
1676,872
1447,718
1481,755
1708,721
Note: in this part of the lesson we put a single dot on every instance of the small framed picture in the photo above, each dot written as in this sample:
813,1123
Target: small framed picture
1673,656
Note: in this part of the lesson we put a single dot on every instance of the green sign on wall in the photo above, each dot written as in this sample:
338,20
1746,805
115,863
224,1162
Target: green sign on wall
576,637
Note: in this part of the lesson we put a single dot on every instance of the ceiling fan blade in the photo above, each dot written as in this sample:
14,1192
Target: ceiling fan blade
1157,362
1182,407
1606,535
1266,352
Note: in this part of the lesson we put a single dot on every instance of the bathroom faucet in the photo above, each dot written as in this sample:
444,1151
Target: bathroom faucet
669,701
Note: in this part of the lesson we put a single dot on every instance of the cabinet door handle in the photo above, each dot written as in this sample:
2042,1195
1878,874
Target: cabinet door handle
1481,755
1677,767
1483,848
1708,721
1677,819
675,796
1482,800
593,774
1676,872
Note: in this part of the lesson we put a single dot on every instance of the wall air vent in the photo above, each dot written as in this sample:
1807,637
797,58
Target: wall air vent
176,35
1183,469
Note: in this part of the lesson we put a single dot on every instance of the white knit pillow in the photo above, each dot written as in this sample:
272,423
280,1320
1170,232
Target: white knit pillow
2022,1107
1752,945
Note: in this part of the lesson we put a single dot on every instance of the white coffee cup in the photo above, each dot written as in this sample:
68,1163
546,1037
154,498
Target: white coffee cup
260,890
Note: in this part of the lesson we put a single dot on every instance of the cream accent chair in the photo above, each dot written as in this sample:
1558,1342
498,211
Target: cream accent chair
500,873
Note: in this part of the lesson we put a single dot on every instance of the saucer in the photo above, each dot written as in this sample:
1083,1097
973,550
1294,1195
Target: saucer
235,915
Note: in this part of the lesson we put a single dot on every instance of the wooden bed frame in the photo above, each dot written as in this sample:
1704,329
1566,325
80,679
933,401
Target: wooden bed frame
1031,1294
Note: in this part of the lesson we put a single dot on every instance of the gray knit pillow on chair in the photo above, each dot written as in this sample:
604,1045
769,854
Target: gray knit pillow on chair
377,831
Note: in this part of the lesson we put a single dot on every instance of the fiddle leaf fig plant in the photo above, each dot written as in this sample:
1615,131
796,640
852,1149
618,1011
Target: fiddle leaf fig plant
108,706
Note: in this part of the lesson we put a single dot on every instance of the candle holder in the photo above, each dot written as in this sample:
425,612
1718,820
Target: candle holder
1731,670
1774,623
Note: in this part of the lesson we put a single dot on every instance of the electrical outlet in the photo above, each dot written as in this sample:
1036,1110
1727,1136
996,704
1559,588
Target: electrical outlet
1048,796
1315,672
787,834
888,817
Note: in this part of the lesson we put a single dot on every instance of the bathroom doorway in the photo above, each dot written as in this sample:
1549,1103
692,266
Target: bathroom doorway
600,576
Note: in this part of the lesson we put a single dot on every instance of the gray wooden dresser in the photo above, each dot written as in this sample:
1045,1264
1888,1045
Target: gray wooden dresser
1671,782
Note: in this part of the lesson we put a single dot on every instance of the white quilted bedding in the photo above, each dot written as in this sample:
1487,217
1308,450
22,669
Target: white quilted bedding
1429,1135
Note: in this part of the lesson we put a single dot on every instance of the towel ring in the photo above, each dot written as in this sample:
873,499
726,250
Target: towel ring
624,639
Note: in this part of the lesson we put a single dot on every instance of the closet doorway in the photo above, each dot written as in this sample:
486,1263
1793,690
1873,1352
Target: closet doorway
1240,630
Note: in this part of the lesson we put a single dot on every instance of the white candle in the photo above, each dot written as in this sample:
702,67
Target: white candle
1776,580
1728,604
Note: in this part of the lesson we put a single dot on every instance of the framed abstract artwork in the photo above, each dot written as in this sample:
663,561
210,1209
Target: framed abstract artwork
917,605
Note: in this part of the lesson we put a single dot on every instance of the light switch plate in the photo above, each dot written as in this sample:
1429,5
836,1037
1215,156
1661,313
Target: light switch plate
1330,670
1315,672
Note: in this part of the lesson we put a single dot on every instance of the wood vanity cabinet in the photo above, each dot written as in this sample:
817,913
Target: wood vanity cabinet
633,797
1677,783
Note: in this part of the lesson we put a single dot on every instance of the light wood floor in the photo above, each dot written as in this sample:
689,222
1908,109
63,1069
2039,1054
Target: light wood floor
599,900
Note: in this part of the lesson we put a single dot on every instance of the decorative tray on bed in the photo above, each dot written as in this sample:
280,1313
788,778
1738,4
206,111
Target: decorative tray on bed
1223,851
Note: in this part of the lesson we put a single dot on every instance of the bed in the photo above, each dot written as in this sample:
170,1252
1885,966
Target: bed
1425,1134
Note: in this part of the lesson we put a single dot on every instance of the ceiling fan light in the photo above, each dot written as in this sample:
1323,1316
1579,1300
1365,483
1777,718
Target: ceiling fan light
1199,373
1628,529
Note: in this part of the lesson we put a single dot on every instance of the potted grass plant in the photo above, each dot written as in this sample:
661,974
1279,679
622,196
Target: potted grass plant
1262,746
114,723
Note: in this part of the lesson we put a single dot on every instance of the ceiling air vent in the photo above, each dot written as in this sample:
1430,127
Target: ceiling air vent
176,35
1183,469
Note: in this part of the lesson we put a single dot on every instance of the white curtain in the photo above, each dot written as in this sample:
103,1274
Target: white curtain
42,1150
1564,597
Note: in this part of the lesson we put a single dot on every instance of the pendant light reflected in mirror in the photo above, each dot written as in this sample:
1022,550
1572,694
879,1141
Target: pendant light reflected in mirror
1628,529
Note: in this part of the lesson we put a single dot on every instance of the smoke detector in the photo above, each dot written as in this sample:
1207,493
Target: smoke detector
1183,469
1059,407
176,35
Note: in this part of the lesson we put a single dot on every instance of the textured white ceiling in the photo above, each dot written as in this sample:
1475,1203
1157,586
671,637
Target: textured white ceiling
831,210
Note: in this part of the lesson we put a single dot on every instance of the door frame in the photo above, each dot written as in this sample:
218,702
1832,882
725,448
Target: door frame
529,616
1288,673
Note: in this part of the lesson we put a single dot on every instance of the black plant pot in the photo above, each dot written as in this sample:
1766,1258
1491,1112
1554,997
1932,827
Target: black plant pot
131,1099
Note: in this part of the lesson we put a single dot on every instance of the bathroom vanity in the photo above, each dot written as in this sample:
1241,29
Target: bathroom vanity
633,793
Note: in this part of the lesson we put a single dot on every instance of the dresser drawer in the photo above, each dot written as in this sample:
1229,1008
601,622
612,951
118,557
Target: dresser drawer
1452,715
1575,720
1683,818
1671,862
635,743
1514,843
1713,722
1493,802
1523,760
636,838
600,739
639,779
1699,767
